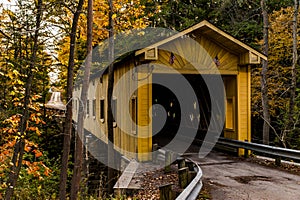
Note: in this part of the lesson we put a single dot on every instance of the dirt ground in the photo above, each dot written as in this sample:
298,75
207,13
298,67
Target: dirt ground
237,179
151,180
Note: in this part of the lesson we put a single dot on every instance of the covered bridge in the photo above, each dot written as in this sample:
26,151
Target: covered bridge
201,50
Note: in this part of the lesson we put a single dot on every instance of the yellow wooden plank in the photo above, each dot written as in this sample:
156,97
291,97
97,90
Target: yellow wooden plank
244,106
249,103
144,100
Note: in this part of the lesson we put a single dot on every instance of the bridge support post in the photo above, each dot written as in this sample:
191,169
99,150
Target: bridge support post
180,162
192,175
155,153
190,165
246,153
183,176
278,161
165,192
168,160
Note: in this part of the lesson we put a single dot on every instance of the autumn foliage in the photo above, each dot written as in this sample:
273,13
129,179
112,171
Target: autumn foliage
39,175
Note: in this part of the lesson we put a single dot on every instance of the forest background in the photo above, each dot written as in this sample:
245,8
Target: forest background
35,42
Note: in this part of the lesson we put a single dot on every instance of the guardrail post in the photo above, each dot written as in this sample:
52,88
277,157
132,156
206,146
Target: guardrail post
246,152
192,175
183,176
168,160
278,161
165,192
155,153
190,165
180,162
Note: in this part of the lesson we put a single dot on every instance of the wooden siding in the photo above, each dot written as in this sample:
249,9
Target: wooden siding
130,139
144,101
101,93
125,140
244,106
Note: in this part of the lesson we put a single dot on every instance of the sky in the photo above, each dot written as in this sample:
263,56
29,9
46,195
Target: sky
6,3
53,75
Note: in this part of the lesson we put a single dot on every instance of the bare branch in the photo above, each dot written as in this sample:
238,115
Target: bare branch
277,135
5,35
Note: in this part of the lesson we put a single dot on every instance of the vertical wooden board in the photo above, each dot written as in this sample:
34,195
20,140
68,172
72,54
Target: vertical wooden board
249,102
238,104
104,87
244,106
133,137
125,144
116,129
123,95
144,99
124,136
150,123
130,142
122,119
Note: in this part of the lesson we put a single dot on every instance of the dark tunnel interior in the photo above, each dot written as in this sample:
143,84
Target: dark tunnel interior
196,114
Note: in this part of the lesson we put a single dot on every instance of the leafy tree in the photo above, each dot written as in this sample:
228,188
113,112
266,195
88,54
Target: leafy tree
22,126
279,78
127,15
178,15
264,71
24,66
68,121
76,179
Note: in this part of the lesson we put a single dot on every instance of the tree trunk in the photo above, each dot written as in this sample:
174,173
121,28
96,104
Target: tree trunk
20,144
264,86
294,70
76,179
110,130
68,121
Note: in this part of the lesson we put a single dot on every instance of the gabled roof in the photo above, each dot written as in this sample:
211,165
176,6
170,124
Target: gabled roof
219,36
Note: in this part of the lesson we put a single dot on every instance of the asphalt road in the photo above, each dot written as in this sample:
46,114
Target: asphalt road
229,178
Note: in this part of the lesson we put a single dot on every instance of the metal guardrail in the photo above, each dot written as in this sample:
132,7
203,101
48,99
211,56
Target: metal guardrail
191,192
266,149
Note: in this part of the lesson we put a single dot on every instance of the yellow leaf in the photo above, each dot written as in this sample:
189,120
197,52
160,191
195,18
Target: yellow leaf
10,75
20,82
38,132
15,72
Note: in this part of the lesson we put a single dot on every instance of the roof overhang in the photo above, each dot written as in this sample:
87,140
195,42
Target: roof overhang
247,54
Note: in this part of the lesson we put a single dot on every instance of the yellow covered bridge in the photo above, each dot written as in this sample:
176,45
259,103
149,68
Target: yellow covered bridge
199,54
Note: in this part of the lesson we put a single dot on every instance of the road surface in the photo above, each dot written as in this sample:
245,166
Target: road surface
229,178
